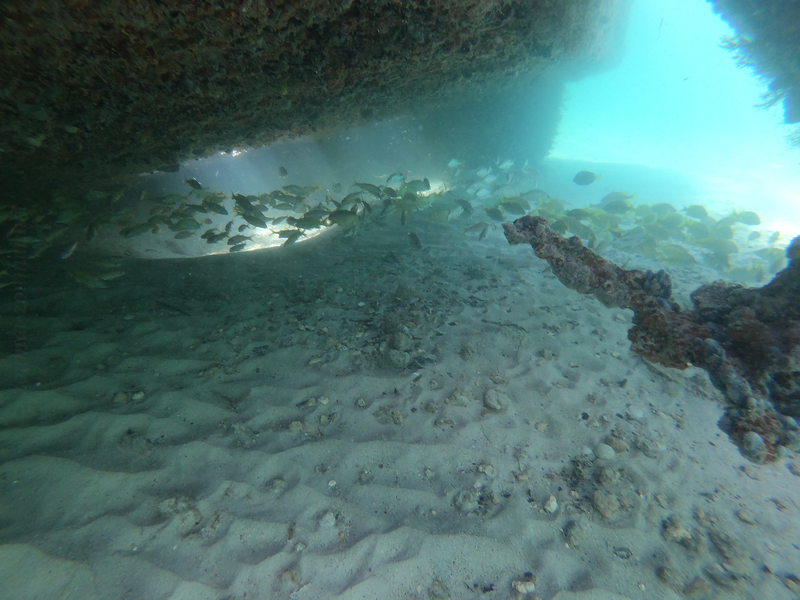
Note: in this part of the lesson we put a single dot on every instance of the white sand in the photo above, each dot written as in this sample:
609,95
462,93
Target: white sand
225,428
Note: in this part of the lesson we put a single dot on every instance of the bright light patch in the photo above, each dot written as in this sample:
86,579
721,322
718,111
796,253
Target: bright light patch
679,102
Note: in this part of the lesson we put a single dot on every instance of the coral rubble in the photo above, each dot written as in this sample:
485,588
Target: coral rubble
748,340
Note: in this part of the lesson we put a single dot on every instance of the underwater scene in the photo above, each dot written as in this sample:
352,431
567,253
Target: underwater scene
538,344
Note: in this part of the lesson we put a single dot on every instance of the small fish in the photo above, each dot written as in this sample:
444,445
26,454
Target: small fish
193,183
316,213
748,218
414,240
696,211
776,257
337,188
771,253
295,190
617,207
276,195
292,237
698,230
395,178
454,163
728,221
585,178
182,235
672,221
187,224
505,165
580,213
343,218
495,214
754,236
515,208
213,239
254,220
160,217
523,202
719,246
717,260
170,200
484,231
69,250
483,172
417,185
390,192
536,195
308,223
439,216
370,189
402,218
723,232
466,207
215,208
553,205
238,239
87,279
601,247
578,228
616,196
287,233
352,197
663,208
134,230
111,275
208,234
657,232
677,255
774,238
193,209
242,227
242,203
476,227
282,172
237,248
68,216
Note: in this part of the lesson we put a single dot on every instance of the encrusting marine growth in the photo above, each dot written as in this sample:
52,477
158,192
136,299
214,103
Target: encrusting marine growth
746,339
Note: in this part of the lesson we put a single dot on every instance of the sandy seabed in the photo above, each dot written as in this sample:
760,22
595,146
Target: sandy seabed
352,417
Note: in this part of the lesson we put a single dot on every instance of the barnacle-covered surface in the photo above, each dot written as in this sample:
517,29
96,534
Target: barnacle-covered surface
768,38
95,91
746,338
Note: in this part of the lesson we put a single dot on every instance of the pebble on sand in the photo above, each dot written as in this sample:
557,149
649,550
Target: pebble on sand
604,452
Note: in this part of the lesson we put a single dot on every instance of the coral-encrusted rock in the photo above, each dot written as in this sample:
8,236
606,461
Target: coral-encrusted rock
747,339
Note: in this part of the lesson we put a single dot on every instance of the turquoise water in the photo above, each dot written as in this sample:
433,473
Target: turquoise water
678,101
399,404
